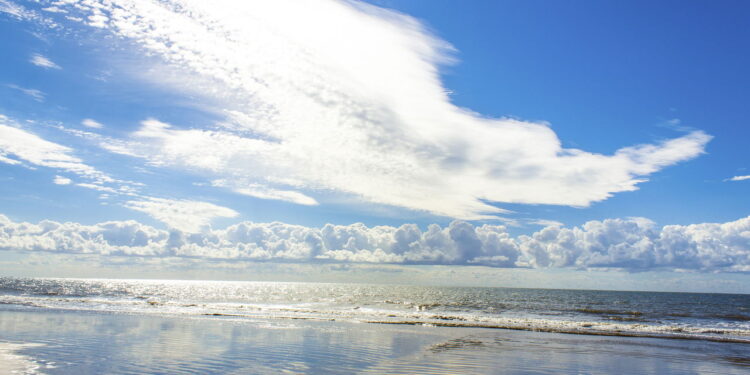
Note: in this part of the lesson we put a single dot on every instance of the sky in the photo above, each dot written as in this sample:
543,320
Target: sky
534,143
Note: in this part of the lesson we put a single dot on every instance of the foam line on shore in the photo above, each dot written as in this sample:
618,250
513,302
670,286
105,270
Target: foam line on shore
11,362
574,331
375,315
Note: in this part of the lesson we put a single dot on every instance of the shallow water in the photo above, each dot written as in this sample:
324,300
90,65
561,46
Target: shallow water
718,317
84,342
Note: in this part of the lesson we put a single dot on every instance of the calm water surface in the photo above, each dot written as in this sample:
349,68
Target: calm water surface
75,342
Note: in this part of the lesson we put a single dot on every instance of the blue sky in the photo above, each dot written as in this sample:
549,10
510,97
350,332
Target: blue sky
537,121
609,74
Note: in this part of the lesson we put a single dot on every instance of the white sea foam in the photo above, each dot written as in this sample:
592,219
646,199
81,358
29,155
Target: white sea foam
402,315
12,362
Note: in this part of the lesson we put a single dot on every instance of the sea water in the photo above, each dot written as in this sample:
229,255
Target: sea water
699,316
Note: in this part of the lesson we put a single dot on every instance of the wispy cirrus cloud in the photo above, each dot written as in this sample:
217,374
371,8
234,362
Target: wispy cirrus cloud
43,61
264,192
739,178
21,147
37,95
184,215
18,146
60,180
89,123
14,10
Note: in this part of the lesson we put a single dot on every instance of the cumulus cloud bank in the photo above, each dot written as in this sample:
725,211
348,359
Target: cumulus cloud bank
344,96
630,244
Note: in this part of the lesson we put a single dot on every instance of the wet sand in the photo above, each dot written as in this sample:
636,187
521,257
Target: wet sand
11,362
70,342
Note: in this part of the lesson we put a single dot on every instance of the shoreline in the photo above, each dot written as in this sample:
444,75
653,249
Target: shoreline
575,332
141,343
670,336
531,324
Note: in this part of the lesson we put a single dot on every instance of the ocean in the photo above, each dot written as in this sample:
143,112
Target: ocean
698,316
84,326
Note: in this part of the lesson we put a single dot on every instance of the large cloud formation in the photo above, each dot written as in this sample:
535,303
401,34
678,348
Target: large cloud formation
346,97
631,244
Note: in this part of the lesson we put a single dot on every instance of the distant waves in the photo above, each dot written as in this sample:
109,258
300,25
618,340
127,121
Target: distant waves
714,317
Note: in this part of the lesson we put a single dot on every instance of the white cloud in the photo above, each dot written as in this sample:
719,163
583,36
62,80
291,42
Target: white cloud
545,222
106,189
7,160
34,93
675,124
111,238
53,9
34,150
631,244
184,215
28,148
31,151
360,112
19,12
14,10
42,61
264,192
740,178
91,123
60,180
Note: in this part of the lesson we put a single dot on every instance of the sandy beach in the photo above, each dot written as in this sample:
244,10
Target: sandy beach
70,342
